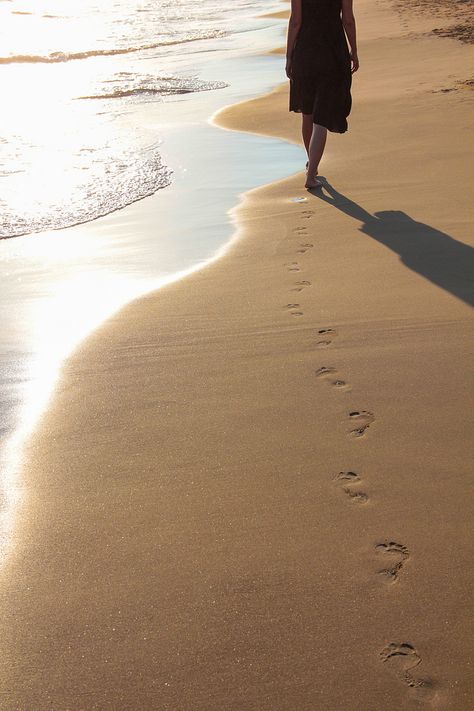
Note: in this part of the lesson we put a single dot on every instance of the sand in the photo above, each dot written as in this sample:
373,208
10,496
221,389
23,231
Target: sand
456,16
252,488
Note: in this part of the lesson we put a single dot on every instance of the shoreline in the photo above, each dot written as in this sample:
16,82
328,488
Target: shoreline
221,545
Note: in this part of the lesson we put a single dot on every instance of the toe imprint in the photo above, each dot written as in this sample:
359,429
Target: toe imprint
348,476
324,371
400,650
393,547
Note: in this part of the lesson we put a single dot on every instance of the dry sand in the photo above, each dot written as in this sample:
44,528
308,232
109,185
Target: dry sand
207,523
456,16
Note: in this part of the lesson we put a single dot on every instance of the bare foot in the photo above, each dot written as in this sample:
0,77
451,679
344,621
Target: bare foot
312,182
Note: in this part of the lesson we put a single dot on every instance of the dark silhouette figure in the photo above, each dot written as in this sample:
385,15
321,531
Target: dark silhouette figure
424,249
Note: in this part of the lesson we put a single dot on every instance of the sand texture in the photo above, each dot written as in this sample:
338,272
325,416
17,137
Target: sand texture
456,16
252,490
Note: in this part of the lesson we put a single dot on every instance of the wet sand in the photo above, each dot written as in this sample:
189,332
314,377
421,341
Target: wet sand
252,488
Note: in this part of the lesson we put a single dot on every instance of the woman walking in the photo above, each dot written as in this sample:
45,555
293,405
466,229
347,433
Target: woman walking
320,67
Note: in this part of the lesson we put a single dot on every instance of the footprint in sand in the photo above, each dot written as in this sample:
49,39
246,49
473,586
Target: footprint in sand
364,419
293,267
399,553
300,285
305,247
307,214
348,480
326,336
300,229
330,374
321,372
291,308
404,659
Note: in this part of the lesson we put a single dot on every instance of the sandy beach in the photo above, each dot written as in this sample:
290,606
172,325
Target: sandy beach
252,488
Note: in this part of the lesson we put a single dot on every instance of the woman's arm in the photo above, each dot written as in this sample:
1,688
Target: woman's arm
293,28
348,20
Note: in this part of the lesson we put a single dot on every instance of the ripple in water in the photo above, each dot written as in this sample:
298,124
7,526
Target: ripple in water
110,181
126,85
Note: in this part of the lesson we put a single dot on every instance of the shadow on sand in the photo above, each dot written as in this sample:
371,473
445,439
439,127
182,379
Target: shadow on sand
433,254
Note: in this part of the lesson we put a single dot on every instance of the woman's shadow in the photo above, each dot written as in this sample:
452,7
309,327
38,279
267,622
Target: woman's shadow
433,254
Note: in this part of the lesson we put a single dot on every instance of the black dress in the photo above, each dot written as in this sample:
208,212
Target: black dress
321,76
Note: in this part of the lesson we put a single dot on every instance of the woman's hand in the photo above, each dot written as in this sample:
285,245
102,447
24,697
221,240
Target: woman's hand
354,62
288,68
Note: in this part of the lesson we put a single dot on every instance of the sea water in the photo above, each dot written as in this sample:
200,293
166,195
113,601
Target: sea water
69,71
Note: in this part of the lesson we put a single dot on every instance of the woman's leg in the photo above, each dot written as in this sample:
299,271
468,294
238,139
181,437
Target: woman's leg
316,150
307,130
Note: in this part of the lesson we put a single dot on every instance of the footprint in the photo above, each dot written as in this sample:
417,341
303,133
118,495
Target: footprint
347,480
293,267
326,336
404,659
337,383
300,285
400,552
307,214
300,229
364,418
304,248
324,371
291,308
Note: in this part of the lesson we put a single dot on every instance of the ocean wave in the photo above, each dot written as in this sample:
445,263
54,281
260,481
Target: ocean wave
111,184
157,86
56,57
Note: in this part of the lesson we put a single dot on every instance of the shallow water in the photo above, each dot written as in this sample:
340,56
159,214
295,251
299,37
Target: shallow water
58,285
69,73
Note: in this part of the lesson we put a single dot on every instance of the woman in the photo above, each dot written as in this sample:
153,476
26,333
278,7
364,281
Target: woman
320,68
